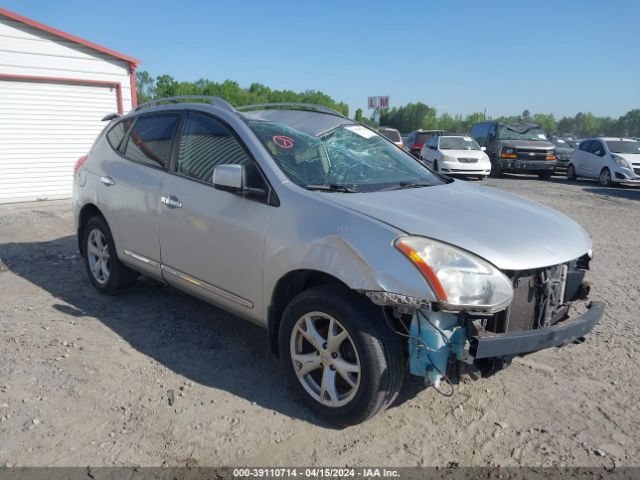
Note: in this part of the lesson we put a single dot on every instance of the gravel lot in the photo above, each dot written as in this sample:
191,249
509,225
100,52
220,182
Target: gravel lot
86,379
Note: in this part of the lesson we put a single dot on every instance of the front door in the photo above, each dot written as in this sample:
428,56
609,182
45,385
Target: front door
212,241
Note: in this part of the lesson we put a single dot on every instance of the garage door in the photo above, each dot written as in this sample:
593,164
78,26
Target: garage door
44,129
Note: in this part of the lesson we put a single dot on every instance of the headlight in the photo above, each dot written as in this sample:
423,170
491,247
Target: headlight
448,158
508,152
459,279
621,162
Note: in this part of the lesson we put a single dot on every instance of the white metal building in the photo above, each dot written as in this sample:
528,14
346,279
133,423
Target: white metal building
54,90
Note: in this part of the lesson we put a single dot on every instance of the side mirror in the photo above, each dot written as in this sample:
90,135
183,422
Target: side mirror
484,149
231,178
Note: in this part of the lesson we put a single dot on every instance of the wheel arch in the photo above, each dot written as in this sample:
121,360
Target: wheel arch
87,212
287,287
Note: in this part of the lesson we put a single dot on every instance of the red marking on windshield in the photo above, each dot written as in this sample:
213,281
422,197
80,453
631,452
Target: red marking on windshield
282,141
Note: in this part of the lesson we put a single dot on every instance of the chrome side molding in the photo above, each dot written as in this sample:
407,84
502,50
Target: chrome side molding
142,258
207,286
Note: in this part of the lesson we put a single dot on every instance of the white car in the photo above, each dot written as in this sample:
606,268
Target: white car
456,155
610,160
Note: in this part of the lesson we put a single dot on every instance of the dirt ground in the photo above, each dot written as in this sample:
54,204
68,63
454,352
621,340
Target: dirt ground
84,378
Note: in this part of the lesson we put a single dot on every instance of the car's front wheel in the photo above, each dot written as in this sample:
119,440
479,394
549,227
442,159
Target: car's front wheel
435,165
340,354
605,177
107,273
571,172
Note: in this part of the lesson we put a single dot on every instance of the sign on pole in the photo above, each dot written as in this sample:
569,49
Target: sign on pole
373,103
383,102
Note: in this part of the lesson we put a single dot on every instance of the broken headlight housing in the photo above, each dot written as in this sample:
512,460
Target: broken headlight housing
459,279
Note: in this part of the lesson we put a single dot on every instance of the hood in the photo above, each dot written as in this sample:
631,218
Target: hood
510,232
541,144
632,158
464,153
565,150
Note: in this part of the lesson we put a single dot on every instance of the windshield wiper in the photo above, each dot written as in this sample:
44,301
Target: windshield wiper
411,184
332,187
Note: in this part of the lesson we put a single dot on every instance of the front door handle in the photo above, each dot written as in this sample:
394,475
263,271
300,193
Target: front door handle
108,181
171,201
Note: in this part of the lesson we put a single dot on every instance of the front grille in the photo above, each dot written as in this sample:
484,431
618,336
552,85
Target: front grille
468,160
636,171
531,154
521,314
465,171
531,307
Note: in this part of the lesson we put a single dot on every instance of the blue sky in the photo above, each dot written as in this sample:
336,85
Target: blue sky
458,56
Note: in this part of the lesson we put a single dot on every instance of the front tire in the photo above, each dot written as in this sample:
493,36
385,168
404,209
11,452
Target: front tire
435,165
605,177
340,354
107,273
496,169
571,173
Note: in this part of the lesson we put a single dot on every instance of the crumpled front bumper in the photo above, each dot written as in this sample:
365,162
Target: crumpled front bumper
490,345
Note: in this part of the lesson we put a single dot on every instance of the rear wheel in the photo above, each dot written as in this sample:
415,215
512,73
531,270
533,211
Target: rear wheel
107,273
571,172
340,354
544,175
605,177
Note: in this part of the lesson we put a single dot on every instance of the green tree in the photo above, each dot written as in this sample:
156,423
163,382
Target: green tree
145,86
358,115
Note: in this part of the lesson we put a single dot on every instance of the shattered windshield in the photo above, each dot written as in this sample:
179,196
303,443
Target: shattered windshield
348,158
508,132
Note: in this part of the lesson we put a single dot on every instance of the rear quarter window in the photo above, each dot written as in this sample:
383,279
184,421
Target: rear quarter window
150,139
116,134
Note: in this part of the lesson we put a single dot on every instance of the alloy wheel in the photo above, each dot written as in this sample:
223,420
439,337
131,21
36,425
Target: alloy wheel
325,359
98,256
605,177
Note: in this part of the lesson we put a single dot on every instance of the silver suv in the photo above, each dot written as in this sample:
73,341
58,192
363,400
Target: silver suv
357,259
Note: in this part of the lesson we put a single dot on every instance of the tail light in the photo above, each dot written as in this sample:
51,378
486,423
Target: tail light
417,145
78,164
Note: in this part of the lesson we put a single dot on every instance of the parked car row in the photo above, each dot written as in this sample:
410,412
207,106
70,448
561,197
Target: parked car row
493,147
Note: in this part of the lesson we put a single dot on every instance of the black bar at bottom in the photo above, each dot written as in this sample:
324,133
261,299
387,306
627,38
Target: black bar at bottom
562,333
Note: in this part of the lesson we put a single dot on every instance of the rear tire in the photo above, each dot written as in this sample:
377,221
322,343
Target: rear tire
571,173
544,175
107,273
605,177
364,371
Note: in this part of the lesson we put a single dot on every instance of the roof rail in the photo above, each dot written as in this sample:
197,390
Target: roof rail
293,106
216,101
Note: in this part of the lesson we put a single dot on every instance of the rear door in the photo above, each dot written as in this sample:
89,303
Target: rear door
129,186
213,240
595,158
580,157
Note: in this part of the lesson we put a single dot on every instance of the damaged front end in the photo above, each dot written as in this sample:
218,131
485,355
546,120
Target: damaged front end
541,315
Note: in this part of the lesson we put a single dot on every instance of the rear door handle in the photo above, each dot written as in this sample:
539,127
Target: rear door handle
108,181
171,201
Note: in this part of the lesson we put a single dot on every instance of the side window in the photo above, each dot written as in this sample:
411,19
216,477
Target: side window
474,131
150,139
206,143
585,146
116,134
492,130
597,148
